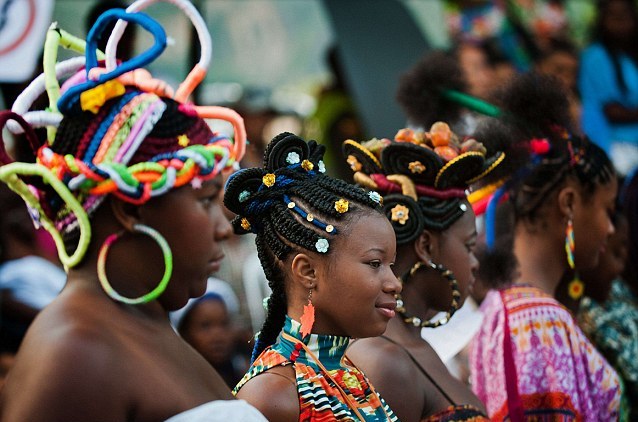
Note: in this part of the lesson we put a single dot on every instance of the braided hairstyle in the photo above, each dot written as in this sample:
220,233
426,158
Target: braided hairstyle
83,135
423,176
542,153
110,133
291,205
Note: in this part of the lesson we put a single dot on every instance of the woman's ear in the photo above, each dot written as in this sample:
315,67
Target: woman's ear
304,271
126,214
567,197
426,246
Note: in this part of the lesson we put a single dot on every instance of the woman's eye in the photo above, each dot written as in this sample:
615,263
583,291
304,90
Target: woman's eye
375,264
207,201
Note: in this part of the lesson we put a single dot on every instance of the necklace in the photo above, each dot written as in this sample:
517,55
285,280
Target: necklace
327,374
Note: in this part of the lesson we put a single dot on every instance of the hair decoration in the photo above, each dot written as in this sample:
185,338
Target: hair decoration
360,157
322,245
539,146
342,205
307,165
355,165
400,214
430,172
269,180
375,197
292,158
416,167
108,134
308,216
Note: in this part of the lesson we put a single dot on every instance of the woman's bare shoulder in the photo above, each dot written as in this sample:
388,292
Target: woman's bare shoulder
274,394
68,365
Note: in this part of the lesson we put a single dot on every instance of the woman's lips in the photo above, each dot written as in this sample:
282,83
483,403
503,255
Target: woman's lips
387,309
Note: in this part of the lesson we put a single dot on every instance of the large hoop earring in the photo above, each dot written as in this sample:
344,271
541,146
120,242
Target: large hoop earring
454,306
168,266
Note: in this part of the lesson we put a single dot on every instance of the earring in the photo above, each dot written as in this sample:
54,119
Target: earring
575,288
308,316
168,266
454,306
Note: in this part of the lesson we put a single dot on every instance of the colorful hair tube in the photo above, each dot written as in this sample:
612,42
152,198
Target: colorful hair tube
198,73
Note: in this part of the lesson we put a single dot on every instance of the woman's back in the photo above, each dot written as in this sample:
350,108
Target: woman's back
557,369
431,390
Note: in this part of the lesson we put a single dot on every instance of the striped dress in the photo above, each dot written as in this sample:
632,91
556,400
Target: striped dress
319,398
530,361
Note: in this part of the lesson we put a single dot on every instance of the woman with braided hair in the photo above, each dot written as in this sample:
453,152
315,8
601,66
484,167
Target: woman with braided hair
423,177
129,185
327,252
530,361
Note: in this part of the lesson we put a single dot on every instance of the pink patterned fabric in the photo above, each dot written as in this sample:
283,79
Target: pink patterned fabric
560,375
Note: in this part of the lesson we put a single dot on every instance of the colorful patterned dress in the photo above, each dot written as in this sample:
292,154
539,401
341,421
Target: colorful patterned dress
551,373
613,327
321,395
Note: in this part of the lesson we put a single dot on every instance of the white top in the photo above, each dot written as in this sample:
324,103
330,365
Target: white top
32,280
449,339
220,411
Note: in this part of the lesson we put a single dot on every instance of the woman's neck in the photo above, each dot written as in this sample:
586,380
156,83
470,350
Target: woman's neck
541,262
84,279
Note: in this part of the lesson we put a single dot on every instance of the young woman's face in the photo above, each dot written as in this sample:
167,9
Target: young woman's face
592,225
456,253
612,261
193,222
208,331
358,297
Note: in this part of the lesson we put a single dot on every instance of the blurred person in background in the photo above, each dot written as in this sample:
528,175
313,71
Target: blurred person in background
561,60
608,315
206,324
608,83
29,278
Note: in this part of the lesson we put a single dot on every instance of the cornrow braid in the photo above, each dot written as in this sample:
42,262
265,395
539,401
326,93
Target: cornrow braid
291,206
438,214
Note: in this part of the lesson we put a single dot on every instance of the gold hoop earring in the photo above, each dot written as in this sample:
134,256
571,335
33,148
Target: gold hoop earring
168,266
454,306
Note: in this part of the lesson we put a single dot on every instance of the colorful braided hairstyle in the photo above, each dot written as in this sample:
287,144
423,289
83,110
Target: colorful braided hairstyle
291,205
423,176
111,132
542,152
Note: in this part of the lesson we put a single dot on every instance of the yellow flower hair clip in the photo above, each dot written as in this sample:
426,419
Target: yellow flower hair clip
269,179
341,206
